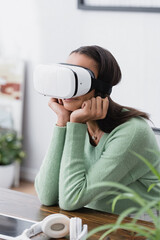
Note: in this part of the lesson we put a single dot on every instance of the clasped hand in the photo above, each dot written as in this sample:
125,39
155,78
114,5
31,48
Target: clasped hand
93,109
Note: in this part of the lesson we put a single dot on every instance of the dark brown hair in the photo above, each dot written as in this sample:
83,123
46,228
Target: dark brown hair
109,71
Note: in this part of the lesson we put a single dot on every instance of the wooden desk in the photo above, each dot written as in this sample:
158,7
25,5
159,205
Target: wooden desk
28,206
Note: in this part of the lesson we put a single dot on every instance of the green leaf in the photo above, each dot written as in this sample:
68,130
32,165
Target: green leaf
108,232
115,201
10,147
125,214
145,206
99,229
121,197
151,186
135,197
147,209
140,229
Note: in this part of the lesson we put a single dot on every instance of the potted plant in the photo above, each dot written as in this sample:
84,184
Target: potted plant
144,232
10,152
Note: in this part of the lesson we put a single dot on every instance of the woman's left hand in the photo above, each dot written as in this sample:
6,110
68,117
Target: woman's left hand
93,109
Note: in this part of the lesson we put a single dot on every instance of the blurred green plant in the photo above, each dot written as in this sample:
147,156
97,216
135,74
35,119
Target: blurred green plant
146,206
10,147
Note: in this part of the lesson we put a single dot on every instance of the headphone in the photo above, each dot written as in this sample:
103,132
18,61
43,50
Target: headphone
56,226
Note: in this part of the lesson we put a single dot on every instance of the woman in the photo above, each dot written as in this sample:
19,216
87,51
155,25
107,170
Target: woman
92,143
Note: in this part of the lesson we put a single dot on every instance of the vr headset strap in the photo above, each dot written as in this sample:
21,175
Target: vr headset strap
102,86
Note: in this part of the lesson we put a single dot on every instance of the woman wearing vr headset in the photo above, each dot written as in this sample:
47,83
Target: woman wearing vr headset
93,142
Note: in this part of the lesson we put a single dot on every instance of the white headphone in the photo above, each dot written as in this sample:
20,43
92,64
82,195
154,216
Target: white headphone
56,226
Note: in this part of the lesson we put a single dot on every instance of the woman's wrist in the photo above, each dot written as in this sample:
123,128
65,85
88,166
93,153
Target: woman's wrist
74,120
61,122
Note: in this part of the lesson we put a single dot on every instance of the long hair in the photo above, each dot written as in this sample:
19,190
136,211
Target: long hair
109,71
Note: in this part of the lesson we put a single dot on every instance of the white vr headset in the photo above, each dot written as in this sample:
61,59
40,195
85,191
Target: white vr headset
56,226
66,81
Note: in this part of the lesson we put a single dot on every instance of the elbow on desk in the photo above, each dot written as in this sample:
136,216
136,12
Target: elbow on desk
45,198
47,202
72,198
68,204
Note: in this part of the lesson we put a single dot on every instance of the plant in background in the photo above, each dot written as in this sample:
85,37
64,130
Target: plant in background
146,206
10,147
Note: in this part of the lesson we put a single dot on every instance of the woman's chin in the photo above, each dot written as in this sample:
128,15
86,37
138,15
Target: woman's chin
71,106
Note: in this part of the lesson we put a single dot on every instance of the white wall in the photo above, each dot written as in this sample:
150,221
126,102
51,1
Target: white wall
45,31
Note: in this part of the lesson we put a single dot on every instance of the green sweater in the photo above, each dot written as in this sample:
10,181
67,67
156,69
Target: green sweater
72,165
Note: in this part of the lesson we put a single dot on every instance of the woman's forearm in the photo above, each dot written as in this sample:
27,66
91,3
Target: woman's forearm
47,180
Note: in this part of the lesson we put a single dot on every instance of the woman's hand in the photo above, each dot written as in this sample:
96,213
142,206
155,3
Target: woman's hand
93,109
63,115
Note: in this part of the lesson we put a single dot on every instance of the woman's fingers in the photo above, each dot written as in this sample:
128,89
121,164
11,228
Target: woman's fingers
63,115
96,108
93,109
87,105
105,107
52,101
60,101
99,107
55,105
99,104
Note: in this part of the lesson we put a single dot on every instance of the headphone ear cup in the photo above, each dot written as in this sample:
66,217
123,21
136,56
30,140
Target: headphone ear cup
56,226
75,228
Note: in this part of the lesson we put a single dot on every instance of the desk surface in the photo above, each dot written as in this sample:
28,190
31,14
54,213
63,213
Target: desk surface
28,206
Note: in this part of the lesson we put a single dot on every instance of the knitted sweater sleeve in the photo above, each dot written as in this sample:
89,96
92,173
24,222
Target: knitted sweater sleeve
47,179
114,164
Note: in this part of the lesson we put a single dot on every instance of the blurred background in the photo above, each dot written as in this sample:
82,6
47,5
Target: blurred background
46,31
